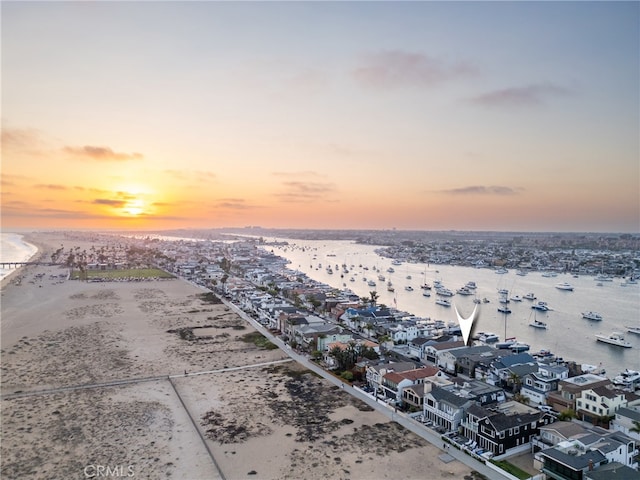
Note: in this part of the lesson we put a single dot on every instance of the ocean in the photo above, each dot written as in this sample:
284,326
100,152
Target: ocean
568,334
13,248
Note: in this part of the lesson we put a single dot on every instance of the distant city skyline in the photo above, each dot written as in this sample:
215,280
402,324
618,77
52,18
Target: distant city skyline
492,116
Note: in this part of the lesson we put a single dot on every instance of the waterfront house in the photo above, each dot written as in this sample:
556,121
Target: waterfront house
435,348
464,360
536,386
374,373
570,389
416,347
598,402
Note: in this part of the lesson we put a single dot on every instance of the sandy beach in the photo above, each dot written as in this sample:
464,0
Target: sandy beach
110,378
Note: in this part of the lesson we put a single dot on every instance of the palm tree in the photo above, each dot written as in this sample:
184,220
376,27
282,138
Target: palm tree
636,427
374,297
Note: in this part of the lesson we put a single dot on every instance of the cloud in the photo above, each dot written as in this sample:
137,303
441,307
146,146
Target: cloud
101,153
396,69
299,191
305,173
109,202
50,186
520,96
483,190
234,204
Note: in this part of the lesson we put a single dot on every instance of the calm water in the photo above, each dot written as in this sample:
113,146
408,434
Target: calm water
14,249
567,334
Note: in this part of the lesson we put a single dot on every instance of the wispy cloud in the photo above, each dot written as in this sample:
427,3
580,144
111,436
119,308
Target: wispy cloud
50,186
528,95
483,190
105,154
20,137
234,204
300,191
109,202
396,69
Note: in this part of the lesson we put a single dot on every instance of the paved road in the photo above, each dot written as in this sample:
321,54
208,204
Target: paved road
383,408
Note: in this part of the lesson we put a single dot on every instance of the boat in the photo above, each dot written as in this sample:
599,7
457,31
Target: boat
629,379
390,270
464,291
471,285
519,347
522,273
529,296
390,288
538,324
604,278
444,302
592,316
614,338
409,288
396,262
564,286
371,283
501,271
381,278
516,298
506,344
549,274
504,309
488,337
425,286
445,292
542,306
632,329
425,293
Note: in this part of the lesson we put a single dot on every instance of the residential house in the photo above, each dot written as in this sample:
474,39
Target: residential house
416,347
537,385
602,401
505,428
435,348
570,389
464,360
612,471
508,371
375,373
624,421
393,383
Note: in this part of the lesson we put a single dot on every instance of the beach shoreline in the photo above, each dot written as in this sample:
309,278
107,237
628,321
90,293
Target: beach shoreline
34,258
191,406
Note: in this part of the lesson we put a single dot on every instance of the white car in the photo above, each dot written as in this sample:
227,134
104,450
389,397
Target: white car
545,408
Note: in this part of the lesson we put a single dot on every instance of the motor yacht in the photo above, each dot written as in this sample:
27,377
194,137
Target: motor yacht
592,316
614,338
564,286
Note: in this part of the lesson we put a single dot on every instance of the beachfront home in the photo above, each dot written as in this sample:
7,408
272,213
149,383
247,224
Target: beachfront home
416,347
464,360
374,373
506,428
393,383
435,348
597,402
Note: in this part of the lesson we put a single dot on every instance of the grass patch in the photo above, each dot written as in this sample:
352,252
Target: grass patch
258,340
511,468
210,297
129,273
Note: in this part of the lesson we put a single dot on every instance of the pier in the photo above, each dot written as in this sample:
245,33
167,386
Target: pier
11,265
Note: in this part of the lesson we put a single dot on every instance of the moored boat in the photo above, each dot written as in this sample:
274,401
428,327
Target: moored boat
614,338
564,286
542,306
633,329
538,324
444,302
529,296
519,347
592,316
504,309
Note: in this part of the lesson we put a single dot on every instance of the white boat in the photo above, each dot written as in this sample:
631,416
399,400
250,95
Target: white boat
409,288
471,285
564,286
522,273
549,274
371,283
425,293
445,292
504,309
629,379
542,306
614,338
519,347
381,278
396,262
390,270
604,278
464,291
529,296
501,271
592,316
632,329
516,298
488,337
538,324
506,344
444,302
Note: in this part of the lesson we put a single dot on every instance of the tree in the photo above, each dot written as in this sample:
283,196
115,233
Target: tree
567,414
374,297
636,427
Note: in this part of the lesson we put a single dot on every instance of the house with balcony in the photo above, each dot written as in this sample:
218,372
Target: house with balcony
570,389
375,373
538,385
393,383
464,360
503,429
435,348
597,402
585,452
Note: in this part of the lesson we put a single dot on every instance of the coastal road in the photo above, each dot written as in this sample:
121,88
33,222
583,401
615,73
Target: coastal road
400,418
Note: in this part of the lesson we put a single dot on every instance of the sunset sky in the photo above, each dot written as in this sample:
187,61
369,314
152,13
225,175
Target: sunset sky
519,116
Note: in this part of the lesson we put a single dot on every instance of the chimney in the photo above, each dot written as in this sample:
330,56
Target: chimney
590,465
